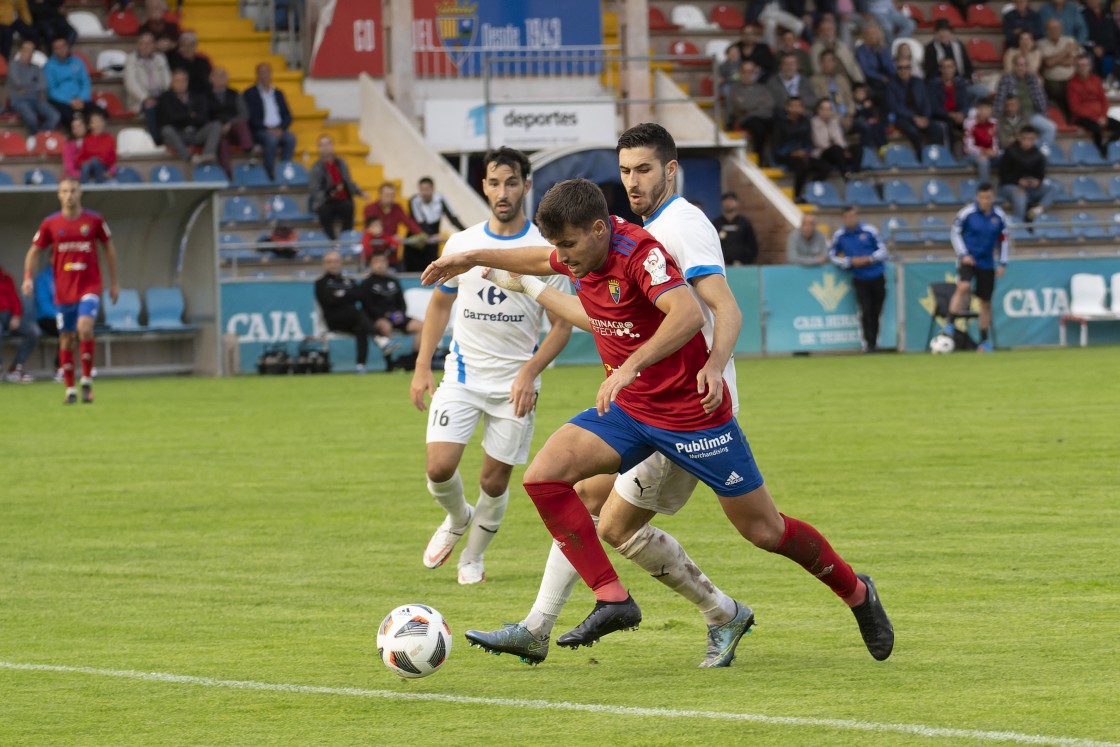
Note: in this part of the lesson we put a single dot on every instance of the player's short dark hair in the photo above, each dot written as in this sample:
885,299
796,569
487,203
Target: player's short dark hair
1028,130
427,180
650,135
729,196
850,208
503,156
986,101
984,187
575,203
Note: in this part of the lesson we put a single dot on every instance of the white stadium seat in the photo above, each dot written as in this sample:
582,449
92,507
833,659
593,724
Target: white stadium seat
111,62
1116,294
717,48
1087,293
691,17
87,25
135,141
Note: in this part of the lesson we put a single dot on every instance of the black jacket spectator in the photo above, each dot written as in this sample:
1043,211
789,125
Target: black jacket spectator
228,107
174,112
255,106
736,236
381,296
1017,163
198,70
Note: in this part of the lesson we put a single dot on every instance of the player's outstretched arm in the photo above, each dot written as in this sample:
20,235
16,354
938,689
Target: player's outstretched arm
28,286
111,260
715,292
435,322
683,319
564,305
529,260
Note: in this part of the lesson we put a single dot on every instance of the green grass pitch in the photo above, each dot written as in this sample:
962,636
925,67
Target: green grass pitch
258,529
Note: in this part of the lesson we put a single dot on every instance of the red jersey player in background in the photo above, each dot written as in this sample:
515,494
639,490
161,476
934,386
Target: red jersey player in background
74,234
646,326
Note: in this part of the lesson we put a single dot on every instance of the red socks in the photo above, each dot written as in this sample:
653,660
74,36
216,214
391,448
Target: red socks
66,361
85,348
570,525
807,547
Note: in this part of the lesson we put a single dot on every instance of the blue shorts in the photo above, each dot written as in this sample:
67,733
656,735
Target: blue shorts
68,313
720,457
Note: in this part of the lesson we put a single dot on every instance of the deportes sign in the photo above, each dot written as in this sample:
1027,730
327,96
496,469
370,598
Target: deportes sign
461,124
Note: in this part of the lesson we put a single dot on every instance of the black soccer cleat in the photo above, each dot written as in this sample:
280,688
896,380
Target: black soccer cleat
71,398
513,638
607,617
874,625
87,394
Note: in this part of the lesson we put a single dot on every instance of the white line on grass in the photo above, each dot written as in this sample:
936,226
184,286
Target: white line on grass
616,710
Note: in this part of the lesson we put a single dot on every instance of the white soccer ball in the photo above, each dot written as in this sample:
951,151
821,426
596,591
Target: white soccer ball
941,345
414,641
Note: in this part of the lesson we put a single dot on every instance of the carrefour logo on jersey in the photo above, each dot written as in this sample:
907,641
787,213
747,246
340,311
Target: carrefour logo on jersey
492,295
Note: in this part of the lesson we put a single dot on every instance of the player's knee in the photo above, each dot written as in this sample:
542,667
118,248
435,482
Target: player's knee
592,499
764,533
615,535
441,471
494,484
544,470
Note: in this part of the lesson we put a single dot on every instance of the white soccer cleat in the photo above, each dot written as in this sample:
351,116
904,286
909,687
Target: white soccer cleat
471,572
444,540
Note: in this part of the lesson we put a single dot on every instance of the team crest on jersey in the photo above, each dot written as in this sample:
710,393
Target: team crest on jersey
655,266
615,289
84,230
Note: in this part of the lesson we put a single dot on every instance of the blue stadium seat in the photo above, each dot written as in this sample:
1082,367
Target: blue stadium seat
1090,231
870,160
1086,188
6,180
934,229
283,207
858,192
938,192
291,174
822,194
165,307
1114,153
891,226
1084,153
229,240
968,189
39,177
125,313
208,172
128,175
1044,228
251,175
898,192
167,174
1060,193
939,157
350,243
318,251
1054,155
1022,233
900,157
1114,186
240,210
350,237
1116,225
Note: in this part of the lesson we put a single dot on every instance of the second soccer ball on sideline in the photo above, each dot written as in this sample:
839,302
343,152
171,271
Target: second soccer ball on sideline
941,345
414,641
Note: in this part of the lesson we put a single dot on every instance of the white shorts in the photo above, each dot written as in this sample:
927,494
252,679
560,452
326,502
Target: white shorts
455,411
656,484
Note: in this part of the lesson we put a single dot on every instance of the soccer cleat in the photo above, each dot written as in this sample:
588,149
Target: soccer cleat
87,394
985,347
874,625
71,397
444,540
513,638
471,572
607,617
722,639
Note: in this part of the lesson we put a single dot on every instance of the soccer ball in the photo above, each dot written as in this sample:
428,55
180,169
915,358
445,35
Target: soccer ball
942,344
414,641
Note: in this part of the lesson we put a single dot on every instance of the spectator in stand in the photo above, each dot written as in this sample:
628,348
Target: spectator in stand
72,148
392,217
184,119
729,70
68,85
382,300
856,246
832,84
165,32
826,40
1059,53
1019,18
830,147
891,21
50,22
1022,177
868,121
337,297
874,58
773,14
1028,47
904,53
981,140
1104,37
788,46
751,106
806,246
186,57
793,144
949,100
1069,15
15,17
269,119
750,48
790,83
736,235
27,88
1027,88
228,109
943,45
1088,106
1011,122
376,241
97,155
13,321
428,208
908,103
146,76
332,190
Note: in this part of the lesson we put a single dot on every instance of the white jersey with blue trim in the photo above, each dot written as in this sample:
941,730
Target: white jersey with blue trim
688,235
495,331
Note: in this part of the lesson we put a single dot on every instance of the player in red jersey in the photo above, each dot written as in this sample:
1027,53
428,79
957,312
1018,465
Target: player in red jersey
74,234
647,330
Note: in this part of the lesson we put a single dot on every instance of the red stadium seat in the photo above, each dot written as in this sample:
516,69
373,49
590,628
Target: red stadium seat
983,17
914,13
12,144
111,103
47,144
3,66
982,50
658,21
707,87
685,48
85,60
1054,114
727,17
947,12
124,23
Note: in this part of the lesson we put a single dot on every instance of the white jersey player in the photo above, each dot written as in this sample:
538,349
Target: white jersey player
492,373
626,503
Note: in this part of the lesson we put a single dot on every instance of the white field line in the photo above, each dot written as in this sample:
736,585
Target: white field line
547,705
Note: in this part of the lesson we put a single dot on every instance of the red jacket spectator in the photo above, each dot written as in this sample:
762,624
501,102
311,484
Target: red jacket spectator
392,219
1086,98
9,297
102,146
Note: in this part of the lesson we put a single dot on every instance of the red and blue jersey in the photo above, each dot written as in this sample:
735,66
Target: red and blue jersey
77,271
620,301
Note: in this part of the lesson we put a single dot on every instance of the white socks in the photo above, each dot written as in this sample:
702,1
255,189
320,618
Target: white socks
488,513
556,586
450,495
660,555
